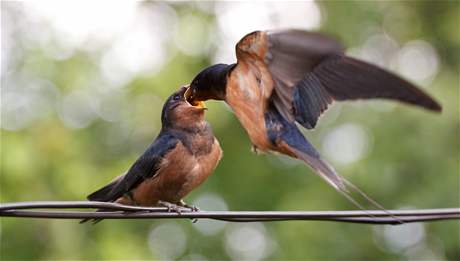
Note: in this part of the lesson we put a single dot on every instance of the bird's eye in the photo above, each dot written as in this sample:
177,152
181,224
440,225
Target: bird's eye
176,97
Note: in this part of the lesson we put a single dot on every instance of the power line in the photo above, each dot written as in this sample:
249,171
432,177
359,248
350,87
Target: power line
117,211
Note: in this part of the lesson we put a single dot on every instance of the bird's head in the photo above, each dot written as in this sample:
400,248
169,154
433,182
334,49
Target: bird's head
210,83
179,113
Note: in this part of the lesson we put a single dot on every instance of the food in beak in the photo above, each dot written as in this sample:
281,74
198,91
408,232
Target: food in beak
190,99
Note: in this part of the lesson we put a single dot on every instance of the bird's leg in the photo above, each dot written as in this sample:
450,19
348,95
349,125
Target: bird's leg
170,206
185,205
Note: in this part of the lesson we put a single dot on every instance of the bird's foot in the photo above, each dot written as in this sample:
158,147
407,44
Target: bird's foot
191,207
171,206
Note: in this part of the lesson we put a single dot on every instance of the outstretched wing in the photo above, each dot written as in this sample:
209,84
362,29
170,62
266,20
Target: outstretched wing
145,167
309,71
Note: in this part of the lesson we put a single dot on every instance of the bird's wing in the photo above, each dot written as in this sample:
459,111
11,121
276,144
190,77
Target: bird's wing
145,167
309,71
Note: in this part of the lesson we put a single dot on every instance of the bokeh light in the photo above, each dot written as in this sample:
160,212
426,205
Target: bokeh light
210,202
346,143
26,100
418,61
83,84
77,110
71,31
379,49
398,238
167,241
248,242
237,19
193,35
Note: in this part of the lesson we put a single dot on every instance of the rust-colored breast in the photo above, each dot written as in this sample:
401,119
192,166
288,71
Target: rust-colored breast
250,87
244,96
179,174
206,166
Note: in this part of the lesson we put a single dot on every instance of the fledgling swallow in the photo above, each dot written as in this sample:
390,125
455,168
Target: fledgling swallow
183,155
288,76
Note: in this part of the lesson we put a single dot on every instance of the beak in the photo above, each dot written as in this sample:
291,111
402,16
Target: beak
200,104
188,95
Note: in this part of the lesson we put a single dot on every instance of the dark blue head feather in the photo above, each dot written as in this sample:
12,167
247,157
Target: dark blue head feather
211,82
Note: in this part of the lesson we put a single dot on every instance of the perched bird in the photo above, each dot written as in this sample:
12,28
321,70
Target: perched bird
288,76
183,155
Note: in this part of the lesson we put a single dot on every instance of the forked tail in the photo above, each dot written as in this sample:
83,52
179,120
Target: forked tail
292,140
342,185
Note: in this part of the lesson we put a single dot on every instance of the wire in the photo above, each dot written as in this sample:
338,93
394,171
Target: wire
117,211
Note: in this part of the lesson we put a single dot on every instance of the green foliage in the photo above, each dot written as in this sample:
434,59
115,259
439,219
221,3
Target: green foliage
411,156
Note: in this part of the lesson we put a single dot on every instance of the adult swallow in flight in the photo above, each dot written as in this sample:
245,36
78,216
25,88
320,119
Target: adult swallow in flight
183,155
288,76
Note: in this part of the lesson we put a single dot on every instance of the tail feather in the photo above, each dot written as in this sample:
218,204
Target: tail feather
103,194
323,169
106,193
291,140
93,220
342,185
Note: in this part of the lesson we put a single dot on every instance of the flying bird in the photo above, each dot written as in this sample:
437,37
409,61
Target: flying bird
183,155
288,76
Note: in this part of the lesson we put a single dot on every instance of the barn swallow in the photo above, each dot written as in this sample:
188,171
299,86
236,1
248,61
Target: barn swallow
183,155
288,76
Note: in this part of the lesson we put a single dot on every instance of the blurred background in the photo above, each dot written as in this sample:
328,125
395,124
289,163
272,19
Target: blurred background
83,83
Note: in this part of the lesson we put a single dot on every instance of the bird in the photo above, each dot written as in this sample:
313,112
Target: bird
183,155
289,77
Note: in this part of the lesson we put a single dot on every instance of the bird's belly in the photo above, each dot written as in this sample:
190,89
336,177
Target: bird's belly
177,177
248,103
206,164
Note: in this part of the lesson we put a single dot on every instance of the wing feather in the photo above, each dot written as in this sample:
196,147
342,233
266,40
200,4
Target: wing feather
145,167
309,71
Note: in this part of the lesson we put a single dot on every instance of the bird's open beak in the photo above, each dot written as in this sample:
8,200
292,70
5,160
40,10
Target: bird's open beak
190,99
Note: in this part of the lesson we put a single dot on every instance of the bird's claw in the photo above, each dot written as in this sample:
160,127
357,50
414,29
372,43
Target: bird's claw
171,206
191,207
178,208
